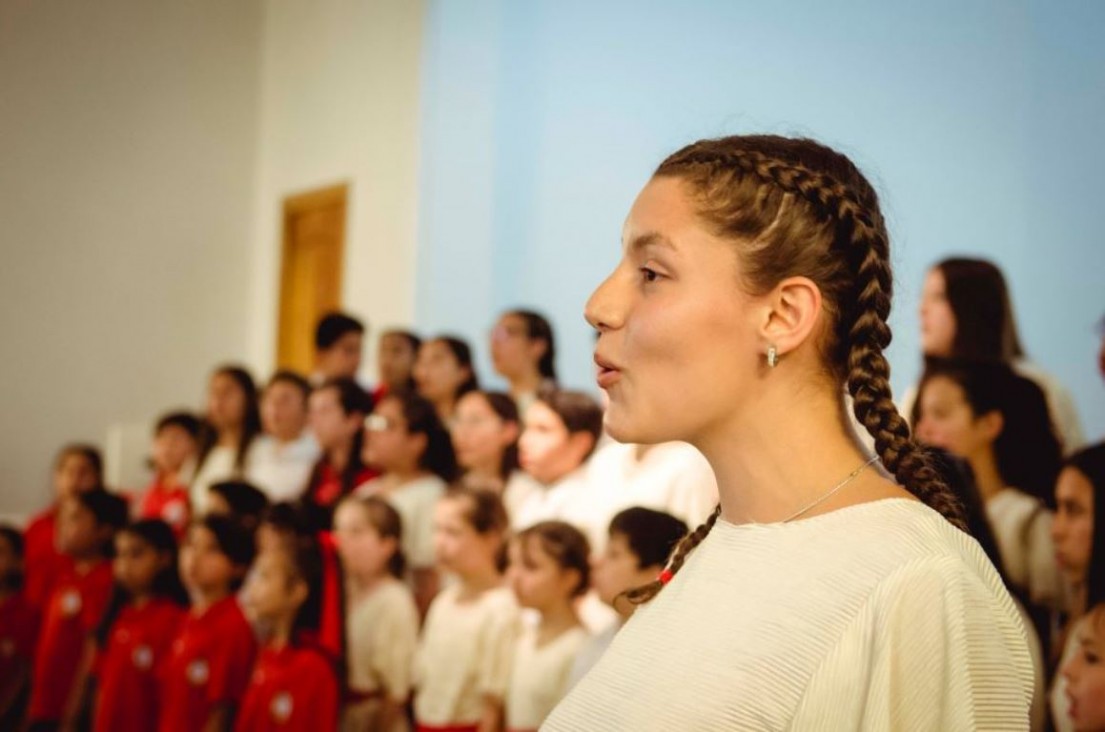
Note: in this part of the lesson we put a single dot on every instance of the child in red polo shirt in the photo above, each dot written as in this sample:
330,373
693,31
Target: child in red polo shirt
18,629
175,442
293,685
86,524
208,666
78,468
140,623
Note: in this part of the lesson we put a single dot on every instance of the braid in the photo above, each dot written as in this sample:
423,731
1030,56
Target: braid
854,274
644,593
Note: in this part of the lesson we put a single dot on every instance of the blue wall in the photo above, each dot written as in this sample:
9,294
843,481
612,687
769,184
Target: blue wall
978,122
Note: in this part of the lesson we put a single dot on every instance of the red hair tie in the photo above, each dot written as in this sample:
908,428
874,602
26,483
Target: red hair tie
665,576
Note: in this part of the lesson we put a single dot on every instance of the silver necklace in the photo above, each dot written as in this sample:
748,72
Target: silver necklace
817,502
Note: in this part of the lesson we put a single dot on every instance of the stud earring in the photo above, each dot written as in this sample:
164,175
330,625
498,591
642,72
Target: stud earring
772,357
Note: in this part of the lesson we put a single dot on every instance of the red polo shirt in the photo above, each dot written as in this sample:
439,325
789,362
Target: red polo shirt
18,630
168,503
43,563
128,666
72,613
290,689
208,664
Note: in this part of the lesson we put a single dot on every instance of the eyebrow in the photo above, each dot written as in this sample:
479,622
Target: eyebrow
649,239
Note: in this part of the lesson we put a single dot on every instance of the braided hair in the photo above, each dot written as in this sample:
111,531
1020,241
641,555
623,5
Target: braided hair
799,208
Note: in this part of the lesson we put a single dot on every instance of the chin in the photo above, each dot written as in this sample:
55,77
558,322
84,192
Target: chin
627,429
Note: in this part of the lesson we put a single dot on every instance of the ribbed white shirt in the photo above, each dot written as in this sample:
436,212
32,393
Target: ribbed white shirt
872,617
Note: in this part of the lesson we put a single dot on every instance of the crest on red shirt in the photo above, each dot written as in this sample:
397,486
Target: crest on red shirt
71,603
281,707
174,513
142,657
198,672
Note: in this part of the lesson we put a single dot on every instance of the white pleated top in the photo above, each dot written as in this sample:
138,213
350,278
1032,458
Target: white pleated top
872,617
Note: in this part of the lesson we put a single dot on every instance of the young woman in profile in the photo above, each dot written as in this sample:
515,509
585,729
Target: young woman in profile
825,592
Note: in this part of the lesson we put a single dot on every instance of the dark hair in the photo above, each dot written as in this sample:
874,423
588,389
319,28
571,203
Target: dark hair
565,544
1090,462
578,411
233,539
332,326
486,512
463,355
89,452
159,536
410,337
1027,452
108,509
439,457
538,328
292,378
651,535
251,418
287,518
505,408
811,212
353,400
979,299
388,524
186,421
12,535
306,564
246,501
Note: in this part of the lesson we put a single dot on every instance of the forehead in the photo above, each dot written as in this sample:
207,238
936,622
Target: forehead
1073,486
942,387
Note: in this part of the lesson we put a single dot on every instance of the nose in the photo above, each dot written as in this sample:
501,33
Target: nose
602,309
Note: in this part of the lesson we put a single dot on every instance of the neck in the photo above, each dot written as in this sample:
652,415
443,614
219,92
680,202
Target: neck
204,599
987,477
480,580
230,436
404,474
366,584
557,619
340,456
169,478
486,475
774,472
140,599
287,438
83,564
527,383
445,408
281,632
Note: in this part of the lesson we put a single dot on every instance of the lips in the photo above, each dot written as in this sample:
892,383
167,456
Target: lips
607,373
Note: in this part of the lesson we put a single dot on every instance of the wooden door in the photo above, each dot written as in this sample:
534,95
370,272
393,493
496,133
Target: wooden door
311,271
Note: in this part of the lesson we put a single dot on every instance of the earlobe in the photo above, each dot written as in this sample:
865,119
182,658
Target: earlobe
794,310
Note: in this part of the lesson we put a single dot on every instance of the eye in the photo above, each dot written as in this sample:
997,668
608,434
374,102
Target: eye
649,275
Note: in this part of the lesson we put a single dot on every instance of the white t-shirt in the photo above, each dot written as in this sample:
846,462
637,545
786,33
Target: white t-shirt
282,469
672,477
415,503
872,617
539,676
218,466
382,637
464,655
591,651
1022,529
570,499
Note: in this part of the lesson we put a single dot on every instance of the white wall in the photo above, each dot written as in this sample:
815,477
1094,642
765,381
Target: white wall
126,168
339,103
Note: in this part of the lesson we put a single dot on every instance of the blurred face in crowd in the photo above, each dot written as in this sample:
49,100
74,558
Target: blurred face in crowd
547,451
272,592
136,563
226,404
204,569
173,447
1085,674
437,372
330,424
1073,526
283,411
363,552
513,354
948,421
457,545
616,570
395,360
78,534
74,473
343,358
536,578
480,435
937,318
389,445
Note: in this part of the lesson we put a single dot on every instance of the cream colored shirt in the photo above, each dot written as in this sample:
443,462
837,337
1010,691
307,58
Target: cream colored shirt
281,470
539,676
382,636
218,467
872,617
464,655
570,499
1022,529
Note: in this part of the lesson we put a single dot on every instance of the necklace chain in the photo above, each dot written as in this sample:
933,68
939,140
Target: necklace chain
818,501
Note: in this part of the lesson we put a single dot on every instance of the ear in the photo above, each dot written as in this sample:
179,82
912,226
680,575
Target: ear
298,592
791,313
418,443
511,432
581,444
569,579
537,348
991,424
